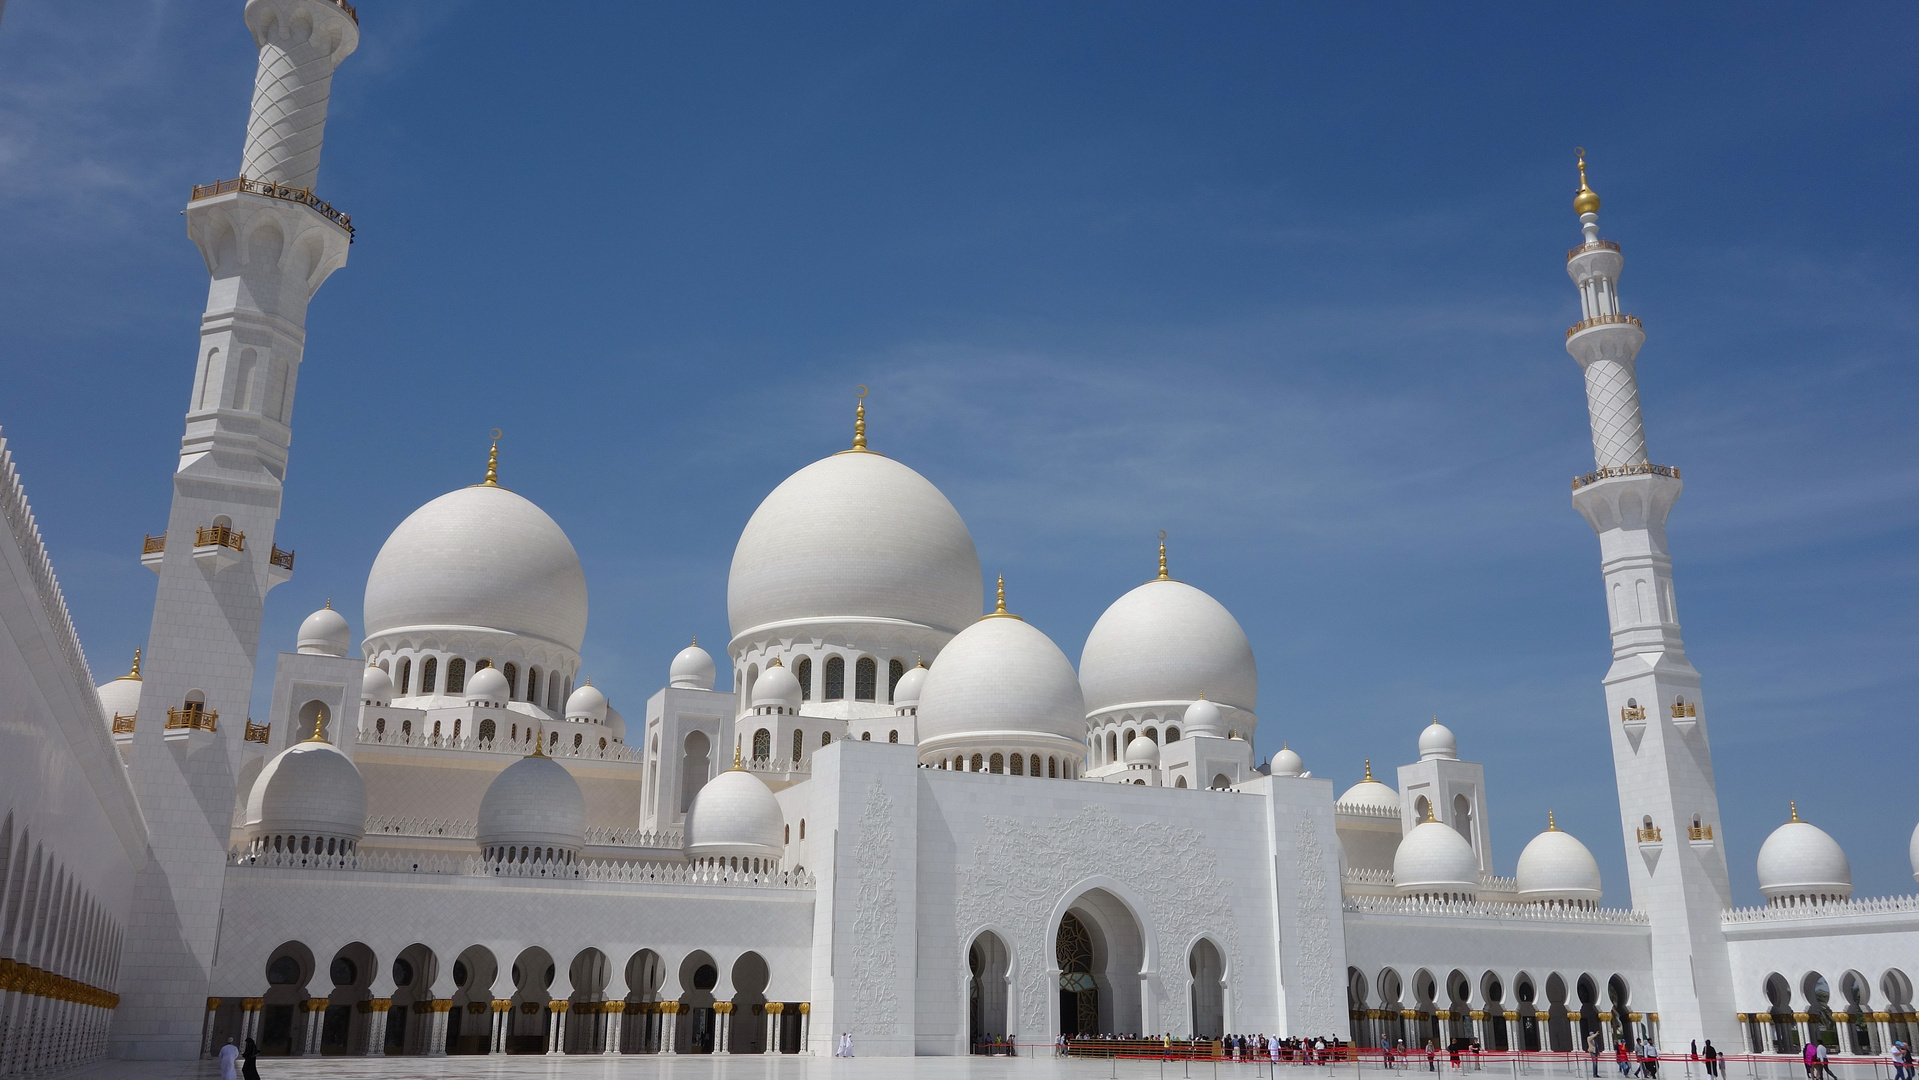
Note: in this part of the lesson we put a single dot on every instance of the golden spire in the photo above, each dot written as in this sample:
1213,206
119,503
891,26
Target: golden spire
1163,575
1551,825
696,641
918,660
539,741
859,420
1429,812
1369,771
1585,200
1795,810
999,604
134,672
319,721
736,752
493,463
775,662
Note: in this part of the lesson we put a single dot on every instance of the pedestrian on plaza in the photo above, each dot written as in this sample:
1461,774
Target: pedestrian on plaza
1592,1047
1652,1060
229,1061
1810,1057
1619,1054
250,1062
1712,1059
1819,1059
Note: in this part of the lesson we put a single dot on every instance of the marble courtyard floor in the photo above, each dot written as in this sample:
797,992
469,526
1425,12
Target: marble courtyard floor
514,1067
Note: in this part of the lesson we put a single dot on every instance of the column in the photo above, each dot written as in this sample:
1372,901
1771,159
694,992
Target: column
1881,1032
250,1022
316,1024
774,1010
556,1031
806,1026
436,1031
669,1027
1514,1036
206,1029
722,1027
375,1010
615,1012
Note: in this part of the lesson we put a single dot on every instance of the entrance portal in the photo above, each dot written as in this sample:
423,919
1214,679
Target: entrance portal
1078,994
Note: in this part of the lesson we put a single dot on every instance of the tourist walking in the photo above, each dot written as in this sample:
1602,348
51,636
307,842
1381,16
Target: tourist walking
845,1048
250,1062
1619,1054
229,1061
1901,1061
1712,1059
1819,1060
1592,1047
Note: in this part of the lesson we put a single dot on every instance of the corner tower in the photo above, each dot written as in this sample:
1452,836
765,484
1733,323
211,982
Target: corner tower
1668,804
268,242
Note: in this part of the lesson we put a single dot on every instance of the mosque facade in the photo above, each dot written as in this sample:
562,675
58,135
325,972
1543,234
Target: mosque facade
888,815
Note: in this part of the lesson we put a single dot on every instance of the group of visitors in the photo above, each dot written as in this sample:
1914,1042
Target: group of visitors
1640,1058
237,1066
1901,1061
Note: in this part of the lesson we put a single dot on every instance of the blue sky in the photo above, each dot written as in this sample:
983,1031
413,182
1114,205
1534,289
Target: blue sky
1286,282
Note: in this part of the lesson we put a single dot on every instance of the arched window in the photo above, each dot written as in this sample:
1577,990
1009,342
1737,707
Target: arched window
789,835
825,737
803,671
892,736
894,669
802,828
1034,764
865,679
602,746
762,745
977,762
406,675
512,674
533,685
482,664
406,729
516,733
455,675
799,746
1112,748
1181,782
552,740
456,727
997,763
835,678
1019,765
553,694
379,726
486,731
576,741
1152,734
428,672
1172,735
866,736
1052,768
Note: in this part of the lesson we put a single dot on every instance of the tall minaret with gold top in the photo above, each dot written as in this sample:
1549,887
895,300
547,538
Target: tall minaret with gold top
1655,712
268,242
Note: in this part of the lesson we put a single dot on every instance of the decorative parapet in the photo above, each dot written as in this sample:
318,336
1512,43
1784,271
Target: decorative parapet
639,838
587,751
153,545
1649,834
33,551
123,723
193,720
1591,246
1640,469
1831,909
281,559
258,732
1481,909
219,536
408,826
1493,883
778,765
1362,876
1602,320
1386,813
437,828
277,191
441,863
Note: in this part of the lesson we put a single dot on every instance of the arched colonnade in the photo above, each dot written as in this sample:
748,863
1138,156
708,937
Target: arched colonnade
1521,1010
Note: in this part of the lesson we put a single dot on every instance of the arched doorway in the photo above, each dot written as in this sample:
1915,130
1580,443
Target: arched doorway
987,964
1208,969
1100,952
746,1031
526,1023
350,972
586,1021
698,976
288,971
414,972
469,1023
644,973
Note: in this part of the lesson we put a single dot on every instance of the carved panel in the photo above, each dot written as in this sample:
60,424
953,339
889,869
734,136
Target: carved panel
875,980
1318,985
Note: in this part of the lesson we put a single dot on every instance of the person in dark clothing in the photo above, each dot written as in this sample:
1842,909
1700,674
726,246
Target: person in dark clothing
250,1062
1712,1059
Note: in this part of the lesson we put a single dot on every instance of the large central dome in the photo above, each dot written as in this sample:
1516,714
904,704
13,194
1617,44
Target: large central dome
480,557
855,536
1167,642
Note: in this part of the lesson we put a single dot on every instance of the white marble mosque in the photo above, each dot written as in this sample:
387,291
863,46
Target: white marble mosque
889,814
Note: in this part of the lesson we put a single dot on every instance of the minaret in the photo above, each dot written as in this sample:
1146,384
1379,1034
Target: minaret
1668,805
268,243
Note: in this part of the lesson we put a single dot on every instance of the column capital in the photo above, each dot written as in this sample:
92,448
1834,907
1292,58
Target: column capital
776,1007
440,1005
213,1003
558,1005
252,1004
501,1005
317,1004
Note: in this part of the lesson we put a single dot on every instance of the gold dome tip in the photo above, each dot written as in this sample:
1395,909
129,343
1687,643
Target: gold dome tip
859,419
999,603
134,672
319,721
1369,768
1551,826
1585,200
1795,809
1163,575
492,463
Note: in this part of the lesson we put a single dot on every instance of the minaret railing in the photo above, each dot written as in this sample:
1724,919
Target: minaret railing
1591,246
1603,320
1637,469
276,191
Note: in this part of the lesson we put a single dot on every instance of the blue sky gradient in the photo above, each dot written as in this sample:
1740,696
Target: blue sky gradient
1285,282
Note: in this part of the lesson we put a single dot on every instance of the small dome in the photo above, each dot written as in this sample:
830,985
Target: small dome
1801,859
1370,792
587,703
735,814
907,691
487,686
1556,866
777,689
692,669
325,633
376,686
533,802
1142,751
1204,718
997,678
1435,859
308,789
1166,641
1437,741
121,697
615,723
1288,763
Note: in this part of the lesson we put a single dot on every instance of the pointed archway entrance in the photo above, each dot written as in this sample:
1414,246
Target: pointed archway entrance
1078,992
1099,953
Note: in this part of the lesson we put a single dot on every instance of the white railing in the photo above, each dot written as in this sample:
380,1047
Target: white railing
26,536
1837,909
778,765
406,826
473,866
1366,810
586,751
1363,876
635,837
1480,909
1493,883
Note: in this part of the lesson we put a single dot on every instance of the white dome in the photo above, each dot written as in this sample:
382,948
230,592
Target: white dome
487,686
1142,751
1556,866
735,814
615,723
586,703
480,557
1437,741
777,688
1288,763
533,802
692,668
121,697
1167,642
1370,792
308,789
1801,859
1203,718
376,686
325,633
856,535
907,691
1000,677
1435,859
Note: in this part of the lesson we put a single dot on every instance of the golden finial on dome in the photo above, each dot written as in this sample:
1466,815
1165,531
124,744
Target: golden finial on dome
1163,575
1429,812
1551,826
1795,810
919,661
134,672
493,462
737,764
999,603
859,420
696,641
775,662
539,742
319,722
1369,770
1585,200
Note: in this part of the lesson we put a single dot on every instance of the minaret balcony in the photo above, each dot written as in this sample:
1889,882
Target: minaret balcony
1603,320
272,190
153,551
258,733
218,546
1591,246
193,726
1608,472
279,567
